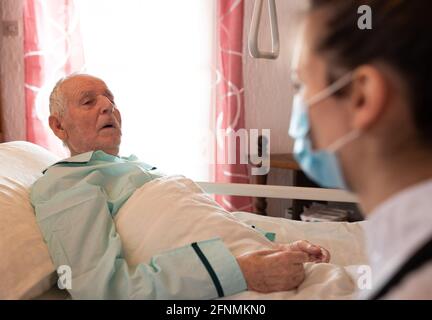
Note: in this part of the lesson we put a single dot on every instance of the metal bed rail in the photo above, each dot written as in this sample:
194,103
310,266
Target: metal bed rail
280,192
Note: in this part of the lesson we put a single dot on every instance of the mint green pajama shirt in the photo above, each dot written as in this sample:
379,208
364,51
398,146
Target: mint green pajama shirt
75,202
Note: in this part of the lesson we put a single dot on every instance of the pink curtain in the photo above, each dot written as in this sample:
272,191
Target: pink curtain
52,49
230,97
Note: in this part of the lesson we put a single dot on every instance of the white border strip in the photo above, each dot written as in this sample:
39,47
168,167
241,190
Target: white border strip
280,192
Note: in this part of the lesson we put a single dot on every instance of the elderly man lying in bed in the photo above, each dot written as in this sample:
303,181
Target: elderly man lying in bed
77,199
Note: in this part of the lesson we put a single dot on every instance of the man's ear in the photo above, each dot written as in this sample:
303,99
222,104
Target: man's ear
57,127
370,94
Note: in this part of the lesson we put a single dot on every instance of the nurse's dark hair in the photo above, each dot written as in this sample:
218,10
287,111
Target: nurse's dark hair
401,37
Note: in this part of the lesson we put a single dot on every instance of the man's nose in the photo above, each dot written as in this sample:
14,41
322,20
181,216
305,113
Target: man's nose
106,106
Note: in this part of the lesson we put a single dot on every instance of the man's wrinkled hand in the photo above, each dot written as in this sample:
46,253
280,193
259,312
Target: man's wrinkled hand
273,270
316,253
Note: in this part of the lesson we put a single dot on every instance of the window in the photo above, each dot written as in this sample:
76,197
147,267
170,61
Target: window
156,57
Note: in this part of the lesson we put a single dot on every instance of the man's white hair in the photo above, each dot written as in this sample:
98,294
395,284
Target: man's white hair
57,100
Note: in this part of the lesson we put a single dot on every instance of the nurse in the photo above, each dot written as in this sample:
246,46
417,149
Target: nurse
362,121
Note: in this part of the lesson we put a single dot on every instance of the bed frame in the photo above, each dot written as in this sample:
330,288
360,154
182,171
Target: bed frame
280,192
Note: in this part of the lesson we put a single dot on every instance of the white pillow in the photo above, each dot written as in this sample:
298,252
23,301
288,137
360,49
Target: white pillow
26,269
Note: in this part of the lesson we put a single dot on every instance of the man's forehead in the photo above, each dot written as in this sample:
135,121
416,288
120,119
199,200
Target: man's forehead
82,84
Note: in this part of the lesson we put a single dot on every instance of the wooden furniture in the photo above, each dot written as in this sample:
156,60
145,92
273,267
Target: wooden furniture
281,161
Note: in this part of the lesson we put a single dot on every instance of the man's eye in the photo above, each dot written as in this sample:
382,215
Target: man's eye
88,102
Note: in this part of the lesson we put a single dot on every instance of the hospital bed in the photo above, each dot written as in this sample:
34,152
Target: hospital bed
27,271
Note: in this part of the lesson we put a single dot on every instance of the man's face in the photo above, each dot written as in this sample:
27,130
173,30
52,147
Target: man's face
91,120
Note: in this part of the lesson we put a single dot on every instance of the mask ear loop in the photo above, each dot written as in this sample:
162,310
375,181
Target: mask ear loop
327,92
339,143
335,86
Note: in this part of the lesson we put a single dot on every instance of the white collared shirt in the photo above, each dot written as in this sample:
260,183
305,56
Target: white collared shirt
396,230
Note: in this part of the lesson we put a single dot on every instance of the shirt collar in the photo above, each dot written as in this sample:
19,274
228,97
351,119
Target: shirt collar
79,158
397,228
91,155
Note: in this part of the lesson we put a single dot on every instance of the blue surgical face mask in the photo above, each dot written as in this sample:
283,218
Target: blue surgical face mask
322,166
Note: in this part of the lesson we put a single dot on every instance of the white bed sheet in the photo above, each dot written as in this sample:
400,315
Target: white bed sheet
336,280
170,212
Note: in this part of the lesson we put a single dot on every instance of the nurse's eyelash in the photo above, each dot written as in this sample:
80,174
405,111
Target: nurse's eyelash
297,86
296,82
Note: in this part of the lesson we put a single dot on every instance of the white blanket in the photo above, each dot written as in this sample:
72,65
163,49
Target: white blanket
170,212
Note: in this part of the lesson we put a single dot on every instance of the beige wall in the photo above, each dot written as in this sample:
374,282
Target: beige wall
268,89
12,73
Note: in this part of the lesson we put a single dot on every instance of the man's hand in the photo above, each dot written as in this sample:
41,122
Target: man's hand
273,270
316,253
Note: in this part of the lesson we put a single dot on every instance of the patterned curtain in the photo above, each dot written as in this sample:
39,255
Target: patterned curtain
52,49
230,98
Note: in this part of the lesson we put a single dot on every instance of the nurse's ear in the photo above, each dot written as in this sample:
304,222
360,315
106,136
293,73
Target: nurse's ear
370,89
56,126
